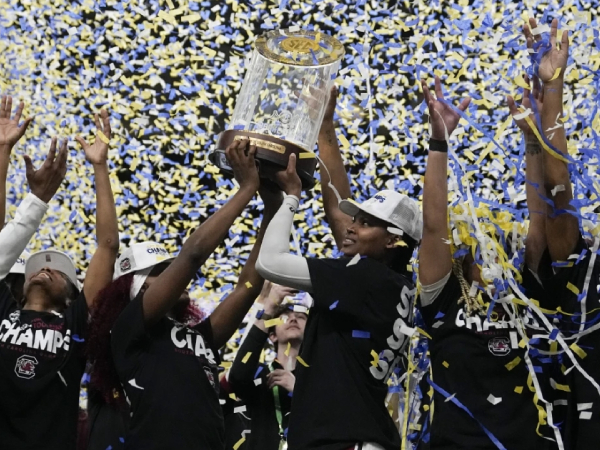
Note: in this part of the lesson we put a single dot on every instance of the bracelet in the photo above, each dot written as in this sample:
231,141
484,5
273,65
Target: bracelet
438,146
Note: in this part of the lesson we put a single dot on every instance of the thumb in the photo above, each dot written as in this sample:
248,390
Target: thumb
81,142
29,170
291,168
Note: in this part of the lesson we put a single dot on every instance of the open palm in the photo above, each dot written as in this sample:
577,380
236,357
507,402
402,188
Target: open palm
10,131
97,153
554,59
443,117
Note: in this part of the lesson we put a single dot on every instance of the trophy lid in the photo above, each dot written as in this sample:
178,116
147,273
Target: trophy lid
299,47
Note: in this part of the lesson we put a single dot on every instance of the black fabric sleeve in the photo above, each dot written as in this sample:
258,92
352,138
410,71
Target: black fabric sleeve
128,336
7,301
449,295
333,280
241,375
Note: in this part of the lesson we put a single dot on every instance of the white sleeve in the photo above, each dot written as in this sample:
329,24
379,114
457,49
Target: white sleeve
275,262
15,236
430,292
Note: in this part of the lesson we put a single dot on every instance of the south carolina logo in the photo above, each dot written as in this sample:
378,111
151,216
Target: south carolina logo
499,346
25,367
125,265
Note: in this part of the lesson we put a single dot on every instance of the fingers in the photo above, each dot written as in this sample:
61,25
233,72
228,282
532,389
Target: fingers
25,125
438,88
512,106
51,153
8,109
61,160
464,104
564,42
553,32
97,122
533,25
106,123
29,169
426,93
18,112
231,151
3,112
82,142
291,167
252,151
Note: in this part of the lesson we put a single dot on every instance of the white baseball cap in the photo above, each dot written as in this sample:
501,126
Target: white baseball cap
392,207
54,260
143,255
19,265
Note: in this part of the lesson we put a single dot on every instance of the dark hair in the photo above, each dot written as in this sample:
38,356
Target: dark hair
400,256
14,280
110,302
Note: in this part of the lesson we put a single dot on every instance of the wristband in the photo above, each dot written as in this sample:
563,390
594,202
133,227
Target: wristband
438,146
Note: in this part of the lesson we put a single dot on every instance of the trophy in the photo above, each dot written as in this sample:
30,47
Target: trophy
282,101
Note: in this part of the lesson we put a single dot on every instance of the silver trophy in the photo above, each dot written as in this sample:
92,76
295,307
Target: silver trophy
282,101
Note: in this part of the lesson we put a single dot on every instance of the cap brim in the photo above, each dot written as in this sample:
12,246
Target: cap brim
349,207
58,261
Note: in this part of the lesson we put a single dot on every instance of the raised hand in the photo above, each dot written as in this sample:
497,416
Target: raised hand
241,158
10,131
276,296
288,179
442,116
282,378
538,96
97,153
554,58
45,181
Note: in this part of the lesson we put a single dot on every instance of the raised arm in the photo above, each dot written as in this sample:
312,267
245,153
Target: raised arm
562,228
329,152
435,257
43,183
100,271
10,133
227,317
162,295
534,173
275,262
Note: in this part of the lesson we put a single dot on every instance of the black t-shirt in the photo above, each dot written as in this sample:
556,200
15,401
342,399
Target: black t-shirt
469,358
170,376
106,424
259,398
41,365
568,283
339,400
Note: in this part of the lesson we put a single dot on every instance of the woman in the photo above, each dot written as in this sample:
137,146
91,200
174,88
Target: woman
166,364
479,371
355,334
41,370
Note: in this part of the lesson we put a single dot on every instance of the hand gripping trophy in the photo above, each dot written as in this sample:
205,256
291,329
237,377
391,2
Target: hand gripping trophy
282,101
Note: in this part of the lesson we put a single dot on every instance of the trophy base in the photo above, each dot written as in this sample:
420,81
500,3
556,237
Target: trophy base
272,154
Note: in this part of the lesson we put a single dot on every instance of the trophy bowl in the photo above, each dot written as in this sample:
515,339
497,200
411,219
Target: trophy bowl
283,98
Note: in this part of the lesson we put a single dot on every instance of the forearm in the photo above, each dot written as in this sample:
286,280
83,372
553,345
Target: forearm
3,177
435,259
247,359
332,162
19,231
534,188
227,317
555,171
162,295
107,229
275,263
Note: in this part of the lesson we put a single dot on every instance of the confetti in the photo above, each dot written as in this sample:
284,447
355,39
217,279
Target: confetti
361,334
301,361
494,400
246,357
